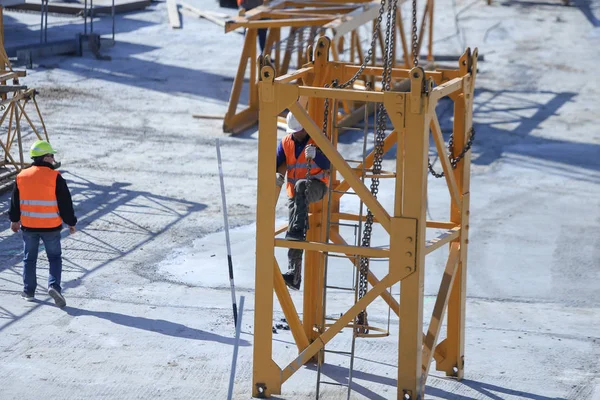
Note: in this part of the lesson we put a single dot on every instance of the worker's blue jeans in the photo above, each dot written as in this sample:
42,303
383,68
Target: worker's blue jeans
31,241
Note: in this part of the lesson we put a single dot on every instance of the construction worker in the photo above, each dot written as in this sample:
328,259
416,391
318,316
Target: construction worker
40,203
295,154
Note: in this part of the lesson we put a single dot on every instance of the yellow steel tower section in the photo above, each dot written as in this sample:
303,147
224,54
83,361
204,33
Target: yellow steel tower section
413,117
14,118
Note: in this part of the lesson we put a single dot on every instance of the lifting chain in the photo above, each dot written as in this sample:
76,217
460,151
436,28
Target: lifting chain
453,160
415,38
361,323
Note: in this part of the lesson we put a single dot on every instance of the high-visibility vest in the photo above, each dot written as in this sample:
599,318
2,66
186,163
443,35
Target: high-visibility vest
297,168
37,194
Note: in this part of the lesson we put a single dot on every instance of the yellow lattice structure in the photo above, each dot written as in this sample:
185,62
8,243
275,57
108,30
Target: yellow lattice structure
348,23
14,99
413,117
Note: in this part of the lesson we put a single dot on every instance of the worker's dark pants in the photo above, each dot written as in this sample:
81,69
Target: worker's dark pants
31,243
298,206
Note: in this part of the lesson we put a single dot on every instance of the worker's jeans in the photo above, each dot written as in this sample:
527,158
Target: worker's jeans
298,211
31,241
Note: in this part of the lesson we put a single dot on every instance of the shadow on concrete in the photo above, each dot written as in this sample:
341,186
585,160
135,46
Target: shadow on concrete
504,122
339,375
152,75
586,9
25,31
103,211
585,6
155,325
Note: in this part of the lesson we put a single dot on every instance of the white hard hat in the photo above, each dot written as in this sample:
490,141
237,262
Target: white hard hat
293,125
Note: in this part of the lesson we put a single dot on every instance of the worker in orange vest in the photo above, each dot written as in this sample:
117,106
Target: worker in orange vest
295,155
40,203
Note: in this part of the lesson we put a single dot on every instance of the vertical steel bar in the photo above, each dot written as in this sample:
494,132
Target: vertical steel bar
46,23
91,16
18,133
411,206
42,22
226,225
430,49
266,376
112,12
238,329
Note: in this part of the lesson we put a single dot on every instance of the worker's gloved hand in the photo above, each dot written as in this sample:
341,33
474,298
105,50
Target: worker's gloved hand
310,152
280,180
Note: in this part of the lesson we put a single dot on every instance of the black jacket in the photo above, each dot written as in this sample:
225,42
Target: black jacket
63,198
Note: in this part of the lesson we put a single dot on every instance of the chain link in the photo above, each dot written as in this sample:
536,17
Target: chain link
367,58
361,322
415,39
453,160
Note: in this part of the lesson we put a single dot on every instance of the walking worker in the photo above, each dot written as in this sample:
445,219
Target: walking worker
40,203
296,154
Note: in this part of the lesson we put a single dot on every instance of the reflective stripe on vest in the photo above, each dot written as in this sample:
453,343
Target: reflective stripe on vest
39,202
37,198
39,215
298,167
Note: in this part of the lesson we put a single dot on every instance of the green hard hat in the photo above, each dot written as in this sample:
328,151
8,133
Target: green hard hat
40,148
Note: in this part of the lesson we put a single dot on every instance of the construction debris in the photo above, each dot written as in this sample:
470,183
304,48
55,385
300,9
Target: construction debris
217,18
174,17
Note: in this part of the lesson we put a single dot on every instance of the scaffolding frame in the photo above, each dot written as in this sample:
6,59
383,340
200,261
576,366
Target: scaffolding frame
341,19
14,98
413,117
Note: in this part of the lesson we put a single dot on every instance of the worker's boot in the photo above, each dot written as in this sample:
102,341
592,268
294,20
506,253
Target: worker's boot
293,277
362,325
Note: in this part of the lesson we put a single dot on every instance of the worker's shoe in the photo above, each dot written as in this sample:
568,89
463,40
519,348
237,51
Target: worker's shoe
27,297
59,300
293,277
297,236
292,280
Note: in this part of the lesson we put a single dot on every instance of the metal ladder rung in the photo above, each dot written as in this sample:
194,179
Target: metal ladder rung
343,224
345,353
341,288
348,128
342,256
334,383
344,192
356,161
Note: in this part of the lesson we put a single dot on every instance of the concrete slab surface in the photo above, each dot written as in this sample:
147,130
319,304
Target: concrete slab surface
145,278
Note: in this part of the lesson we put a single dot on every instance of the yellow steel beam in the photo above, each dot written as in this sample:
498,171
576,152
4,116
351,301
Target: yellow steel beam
413,163
298,74
388,143
441,224
289,310
342,322
386,296
446,89
440,307
348,94
441,148
278,23
333,248
266,374
444,238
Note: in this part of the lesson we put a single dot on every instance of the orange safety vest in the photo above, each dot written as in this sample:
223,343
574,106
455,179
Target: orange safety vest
297,168
37,194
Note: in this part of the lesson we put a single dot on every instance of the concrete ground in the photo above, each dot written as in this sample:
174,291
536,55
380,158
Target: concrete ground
149,307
